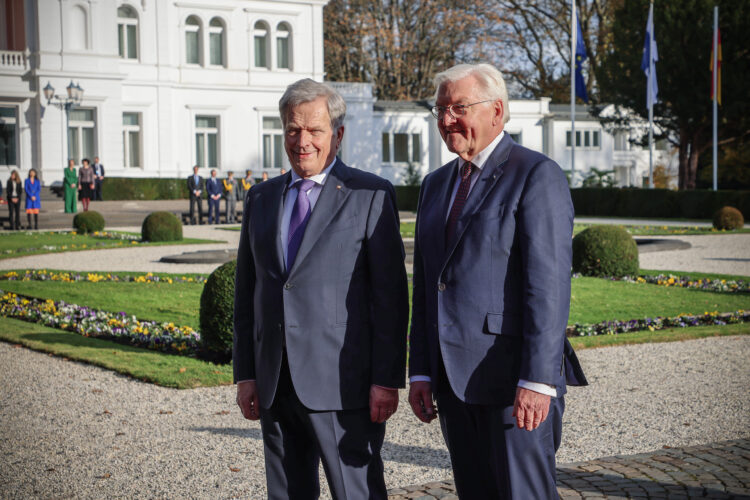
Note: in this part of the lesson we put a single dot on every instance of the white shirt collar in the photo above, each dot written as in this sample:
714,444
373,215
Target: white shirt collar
480,159
317,179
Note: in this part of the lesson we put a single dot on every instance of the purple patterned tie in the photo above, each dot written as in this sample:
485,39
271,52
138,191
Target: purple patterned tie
458,202
300,215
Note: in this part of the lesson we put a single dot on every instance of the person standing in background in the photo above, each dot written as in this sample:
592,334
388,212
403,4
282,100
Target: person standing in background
246,184
264,177
86,183
213,188
70,188
14,191
195,188
98,178
230,194
33,187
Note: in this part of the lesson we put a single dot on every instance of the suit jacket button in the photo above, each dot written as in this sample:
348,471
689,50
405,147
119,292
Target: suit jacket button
441,287
288,286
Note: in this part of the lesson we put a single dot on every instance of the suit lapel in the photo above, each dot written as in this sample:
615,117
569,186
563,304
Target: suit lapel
331,199
491,174
435,215
274,207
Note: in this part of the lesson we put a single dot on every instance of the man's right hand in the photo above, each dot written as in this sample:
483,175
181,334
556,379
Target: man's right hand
420,399
247,399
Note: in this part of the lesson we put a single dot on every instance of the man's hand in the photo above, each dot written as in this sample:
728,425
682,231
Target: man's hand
383,403
530,408
420,399
247,399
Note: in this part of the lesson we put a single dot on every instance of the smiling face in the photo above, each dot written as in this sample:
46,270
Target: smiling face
309,140
469,134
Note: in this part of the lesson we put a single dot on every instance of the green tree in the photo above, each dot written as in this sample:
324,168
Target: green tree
683,33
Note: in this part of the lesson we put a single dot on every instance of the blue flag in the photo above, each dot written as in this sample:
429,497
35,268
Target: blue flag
650,56
580,57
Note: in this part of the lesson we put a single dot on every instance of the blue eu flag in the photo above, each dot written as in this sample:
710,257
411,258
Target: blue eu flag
580,56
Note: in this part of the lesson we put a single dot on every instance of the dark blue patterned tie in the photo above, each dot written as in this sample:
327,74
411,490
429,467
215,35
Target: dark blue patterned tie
458,202
298,222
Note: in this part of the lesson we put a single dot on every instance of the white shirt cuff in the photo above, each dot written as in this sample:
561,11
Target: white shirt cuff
419,378
549,390
247,380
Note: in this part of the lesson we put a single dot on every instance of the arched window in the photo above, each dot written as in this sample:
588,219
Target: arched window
283,46
127,32
261,45
193,40
216,42
77,29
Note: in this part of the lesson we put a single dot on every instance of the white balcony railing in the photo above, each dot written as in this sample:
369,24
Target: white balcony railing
13,59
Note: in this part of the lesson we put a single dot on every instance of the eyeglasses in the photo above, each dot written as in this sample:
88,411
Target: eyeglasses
456,110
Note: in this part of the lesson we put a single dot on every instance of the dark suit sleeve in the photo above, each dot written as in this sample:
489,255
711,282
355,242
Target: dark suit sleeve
545,226
243,356
418,360
389,291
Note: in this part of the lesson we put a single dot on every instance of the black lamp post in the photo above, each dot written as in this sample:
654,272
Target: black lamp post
71,101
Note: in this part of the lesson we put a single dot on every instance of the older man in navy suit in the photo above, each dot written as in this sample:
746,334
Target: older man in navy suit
321,309
492,266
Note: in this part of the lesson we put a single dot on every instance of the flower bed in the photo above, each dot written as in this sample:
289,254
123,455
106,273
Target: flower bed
713,285
165,337
658,323
69,277
109,239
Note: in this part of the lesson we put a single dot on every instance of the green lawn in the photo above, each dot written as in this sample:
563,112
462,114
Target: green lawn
593,299
407,230
20,244
167,370
178,302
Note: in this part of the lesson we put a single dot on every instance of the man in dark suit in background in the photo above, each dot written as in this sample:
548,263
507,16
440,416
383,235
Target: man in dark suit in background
492,267
321,309
195,188
214,189
98,178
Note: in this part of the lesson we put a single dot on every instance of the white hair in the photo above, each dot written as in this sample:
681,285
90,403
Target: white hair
307,90
491,82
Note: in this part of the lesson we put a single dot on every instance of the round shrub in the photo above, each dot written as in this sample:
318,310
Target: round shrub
88,222
161,226
217,313
605,251
728,218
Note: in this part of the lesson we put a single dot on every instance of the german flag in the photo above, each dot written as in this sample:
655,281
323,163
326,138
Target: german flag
718,68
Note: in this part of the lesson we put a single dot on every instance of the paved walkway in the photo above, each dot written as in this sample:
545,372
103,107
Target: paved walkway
718,470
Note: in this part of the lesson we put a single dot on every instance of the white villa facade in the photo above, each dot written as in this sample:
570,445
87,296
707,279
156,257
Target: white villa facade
168,84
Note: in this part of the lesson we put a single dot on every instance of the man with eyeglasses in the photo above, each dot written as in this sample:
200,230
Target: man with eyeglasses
492,263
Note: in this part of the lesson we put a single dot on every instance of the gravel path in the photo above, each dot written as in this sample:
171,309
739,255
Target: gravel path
70,429
720,253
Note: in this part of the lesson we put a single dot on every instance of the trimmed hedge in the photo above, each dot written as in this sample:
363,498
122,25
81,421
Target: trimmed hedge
605,250
728,218
123,188
161,226
217,314
659,203
407,198
88,222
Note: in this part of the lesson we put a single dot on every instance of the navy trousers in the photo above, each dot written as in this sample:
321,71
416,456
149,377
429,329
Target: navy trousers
491,457
213,210
295,439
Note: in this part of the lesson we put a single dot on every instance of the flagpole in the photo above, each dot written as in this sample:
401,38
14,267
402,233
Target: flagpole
715,78
651,104
573,33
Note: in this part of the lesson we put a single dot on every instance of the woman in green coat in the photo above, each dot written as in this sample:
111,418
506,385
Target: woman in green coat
71,188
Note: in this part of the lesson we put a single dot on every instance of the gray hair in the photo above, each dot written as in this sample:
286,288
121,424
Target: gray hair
307,90
491,83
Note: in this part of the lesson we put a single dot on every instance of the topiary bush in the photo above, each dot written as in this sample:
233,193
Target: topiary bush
161,226
217,314
605,250
88,222
728,218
